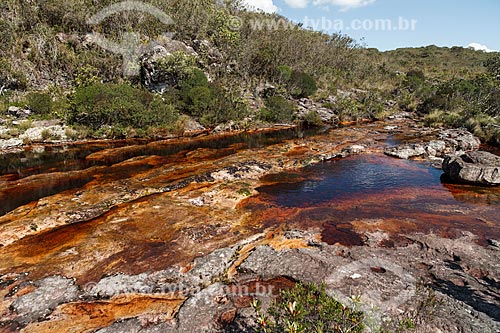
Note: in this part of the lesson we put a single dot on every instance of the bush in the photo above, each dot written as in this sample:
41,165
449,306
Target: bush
302,85
176,68
277,110
119,105
308,308
312,119
473,103
493,64
40,103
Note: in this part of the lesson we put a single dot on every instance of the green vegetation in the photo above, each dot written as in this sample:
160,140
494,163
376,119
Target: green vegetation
312,119
44,49
277,110
471,103
308,308
119,105
40,103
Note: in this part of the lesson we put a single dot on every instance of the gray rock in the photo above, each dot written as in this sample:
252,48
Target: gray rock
10,143
460,140
297,264
120,284
211,302
406,151
17,112
475,167
354,149
50,292
436,148
450,141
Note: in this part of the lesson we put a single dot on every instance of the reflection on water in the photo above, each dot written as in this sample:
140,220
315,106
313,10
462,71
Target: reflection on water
355,175
31,175
373,193
70,157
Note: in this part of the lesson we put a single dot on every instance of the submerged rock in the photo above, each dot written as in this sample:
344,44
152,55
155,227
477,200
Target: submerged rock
476,167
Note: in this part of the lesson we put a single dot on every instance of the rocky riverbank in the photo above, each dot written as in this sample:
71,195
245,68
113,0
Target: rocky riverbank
143,241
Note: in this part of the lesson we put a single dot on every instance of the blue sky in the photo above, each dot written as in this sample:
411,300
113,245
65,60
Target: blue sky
438,22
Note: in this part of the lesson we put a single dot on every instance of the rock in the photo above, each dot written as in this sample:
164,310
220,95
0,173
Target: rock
119,284
450,141
193,126
45,133
50,292
406,151
10,143
354,149
213,55
229,126
198,202
460,140
306,105
474,167
436,148
200,312
18,113
494,243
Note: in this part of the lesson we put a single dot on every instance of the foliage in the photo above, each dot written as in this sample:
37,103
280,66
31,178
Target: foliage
307,308
312,119
40,103
176,67
473,103
493,65
302,85
119,105
277,110
86,76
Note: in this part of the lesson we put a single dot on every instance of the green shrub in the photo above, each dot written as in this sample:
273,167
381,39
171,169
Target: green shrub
307,308
302,85
199,100
493,64
6,35
277,110
86,76
40,103
176,67
312,119
119,105
46,134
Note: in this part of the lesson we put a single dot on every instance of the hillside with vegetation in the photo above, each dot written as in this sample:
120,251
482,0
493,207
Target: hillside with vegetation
214,67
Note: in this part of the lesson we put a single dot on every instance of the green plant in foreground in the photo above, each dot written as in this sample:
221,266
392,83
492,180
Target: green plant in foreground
307,308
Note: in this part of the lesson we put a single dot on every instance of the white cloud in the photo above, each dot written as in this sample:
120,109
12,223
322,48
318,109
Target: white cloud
344,4
265,5
297,3
269,7
480,47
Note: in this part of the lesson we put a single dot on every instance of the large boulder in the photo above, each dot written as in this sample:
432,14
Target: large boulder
478,167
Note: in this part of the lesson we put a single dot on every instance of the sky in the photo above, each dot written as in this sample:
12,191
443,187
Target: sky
391,24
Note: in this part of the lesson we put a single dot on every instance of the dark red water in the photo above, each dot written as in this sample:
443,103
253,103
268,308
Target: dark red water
370,193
